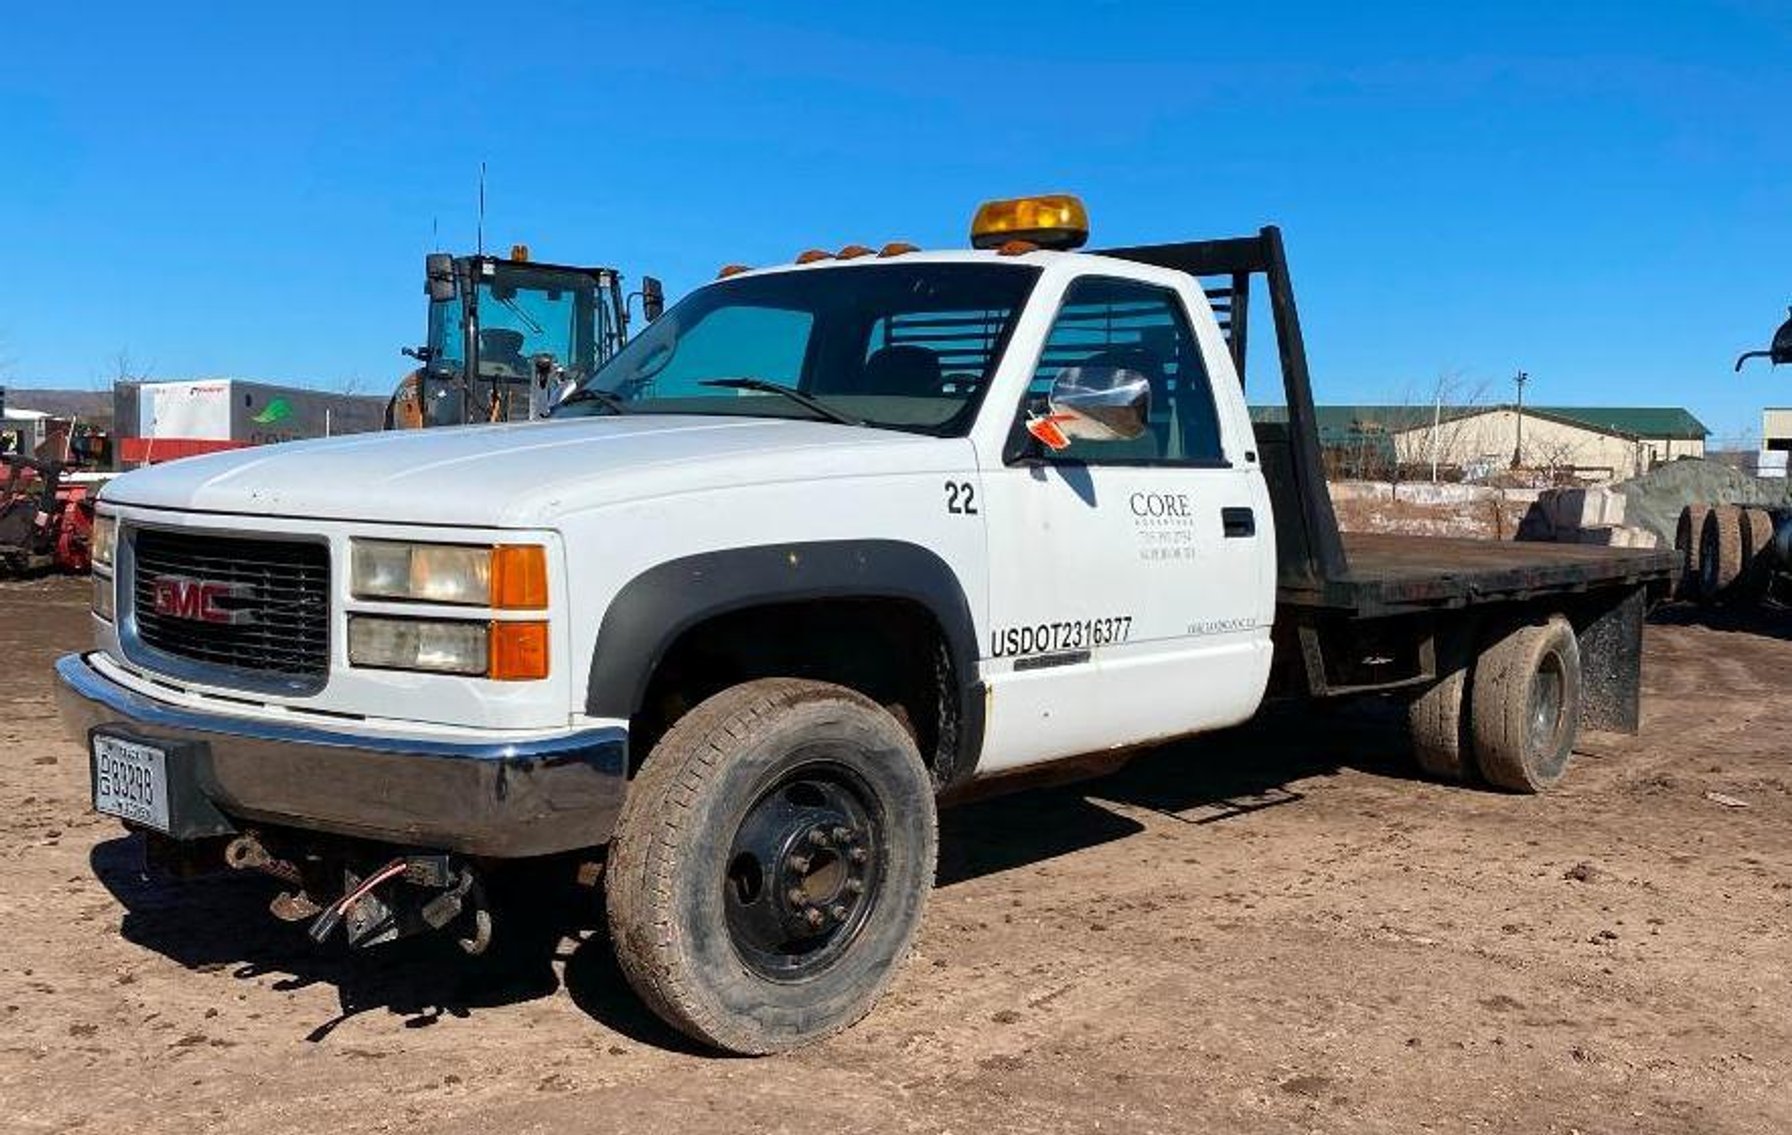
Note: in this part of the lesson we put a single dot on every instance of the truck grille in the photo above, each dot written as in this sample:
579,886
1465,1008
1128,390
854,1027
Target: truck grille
261,606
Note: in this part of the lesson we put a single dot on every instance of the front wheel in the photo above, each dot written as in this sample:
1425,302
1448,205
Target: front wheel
771,864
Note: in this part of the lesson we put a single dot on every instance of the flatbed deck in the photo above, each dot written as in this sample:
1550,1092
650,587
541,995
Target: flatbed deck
1389,574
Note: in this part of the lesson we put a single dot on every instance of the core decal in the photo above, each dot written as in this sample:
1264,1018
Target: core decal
1165,525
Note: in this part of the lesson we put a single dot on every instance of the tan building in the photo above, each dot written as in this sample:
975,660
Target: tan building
1596,443
1776,429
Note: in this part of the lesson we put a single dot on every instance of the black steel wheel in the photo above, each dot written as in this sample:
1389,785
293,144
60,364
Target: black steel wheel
771,865
804,871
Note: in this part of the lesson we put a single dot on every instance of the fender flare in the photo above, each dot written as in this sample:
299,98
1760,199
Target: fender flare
654,608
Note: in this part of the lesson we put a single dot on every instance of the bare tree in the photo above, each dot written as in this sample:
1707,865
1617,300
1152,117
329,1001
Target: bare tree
123,368
1443,419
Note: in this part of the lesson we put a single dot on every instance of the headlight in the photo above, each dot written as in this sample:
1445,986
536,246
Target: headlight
100,543
508,576
418,644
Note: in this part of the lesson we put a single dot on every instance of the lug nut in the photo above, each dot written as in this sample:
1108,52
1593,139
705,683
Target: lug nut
797,896
857,855
855,886
818,837
838,912
799,864
813,916
843,835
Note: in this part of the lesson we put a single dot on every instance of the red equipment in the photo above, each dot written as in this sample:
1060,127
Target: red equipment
43,522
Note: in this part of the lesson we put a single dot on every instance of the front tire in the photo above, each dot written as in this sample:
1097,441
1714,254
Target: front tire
770,868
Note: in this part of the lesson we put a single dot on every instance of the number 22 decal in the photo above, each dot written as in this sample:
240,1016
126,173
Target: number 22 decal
961,498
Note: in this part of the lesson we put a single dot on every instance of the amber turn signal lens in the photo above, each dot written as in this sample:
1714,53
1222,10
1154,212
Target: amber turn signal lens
520,577
519,652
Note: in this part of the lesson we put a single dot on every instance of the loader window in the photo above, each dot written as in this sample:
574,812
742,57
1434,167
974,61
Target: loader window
898,346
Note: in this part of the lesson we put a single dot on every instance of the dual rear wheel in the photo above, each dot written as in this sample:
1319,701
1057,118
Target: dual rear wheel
1509,715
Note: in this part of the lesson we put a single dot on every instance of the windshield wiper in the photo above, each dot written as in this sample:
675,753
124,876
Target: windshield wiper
534,327
813,405
593,394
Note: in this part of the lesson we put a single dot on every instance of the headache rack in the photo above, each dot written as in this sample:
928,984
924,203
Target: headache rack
1309,549
1363,612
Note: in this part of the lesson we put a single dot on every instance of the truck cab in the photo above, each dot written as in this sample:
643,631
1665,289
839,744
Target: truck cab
826,541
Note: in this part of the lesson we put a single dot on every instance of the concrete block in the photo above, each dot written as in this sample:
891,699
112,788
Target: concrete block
1584,508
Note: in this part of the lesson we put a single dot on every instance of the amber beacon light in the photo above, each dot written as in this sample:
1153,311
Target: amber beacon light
1053,220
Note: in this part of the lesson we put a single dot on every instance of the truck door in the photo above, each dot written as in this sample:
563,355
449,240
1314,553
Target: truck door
1132,582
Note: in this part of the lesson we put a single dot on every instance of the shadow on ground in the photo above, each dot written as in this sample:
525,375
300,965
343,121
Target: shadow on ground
546,935
1768,619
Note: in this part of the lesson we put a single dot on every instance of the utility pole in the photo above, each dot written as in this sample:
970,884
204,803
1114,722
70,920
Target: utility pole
1518,441
1437,419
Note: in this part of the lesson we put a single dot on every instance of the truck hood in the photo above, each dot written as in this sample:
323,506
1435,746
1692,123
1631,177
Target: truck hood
522,475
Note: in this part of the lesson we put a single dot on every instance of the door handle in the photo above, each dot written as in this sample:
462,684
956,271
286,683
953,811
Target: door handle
1240,523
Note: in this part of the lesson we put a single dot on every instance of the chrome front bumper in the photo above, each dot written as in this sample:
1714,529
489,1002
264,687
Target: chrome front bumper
499,799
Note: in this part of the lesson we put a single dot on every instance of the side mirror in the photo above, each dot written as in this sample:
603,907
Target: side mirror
438,277
653,298
1100,403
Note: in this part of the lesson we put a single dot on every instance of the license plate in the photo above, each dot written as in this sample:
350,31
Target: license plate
130,781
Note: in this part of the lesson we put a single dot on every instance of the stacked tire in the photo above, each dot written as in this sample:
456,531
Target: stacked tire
1688,537
1725,552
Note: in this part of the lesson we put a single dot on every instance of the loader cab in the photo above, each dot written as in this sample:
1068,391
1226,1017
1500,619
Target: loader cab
505,335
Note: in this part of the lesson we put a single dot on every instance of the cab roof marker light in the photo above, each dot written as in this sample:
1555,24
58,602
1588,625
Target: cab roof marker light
897,248
1016,248
1052,220
852,252
731,270
811,255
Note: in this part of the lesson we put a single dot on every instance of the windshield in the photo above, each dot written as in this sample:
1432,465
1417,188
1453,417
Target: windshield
523,312
904,346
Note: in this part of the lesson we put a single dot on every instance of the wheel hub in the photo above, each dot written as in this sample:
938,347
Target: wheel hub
802,869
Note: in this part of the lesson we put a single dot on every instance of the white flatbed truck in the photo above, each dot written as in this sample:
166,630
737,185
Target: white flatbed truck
825,541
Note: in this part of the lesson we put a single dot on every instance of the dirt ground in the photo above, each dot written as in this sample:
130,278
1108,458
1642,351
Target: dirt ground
1275,930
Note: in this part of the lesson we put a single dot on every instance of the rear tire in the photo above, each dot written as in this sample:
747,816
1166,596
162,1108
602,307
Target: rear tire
771,865
1437,722
1524,706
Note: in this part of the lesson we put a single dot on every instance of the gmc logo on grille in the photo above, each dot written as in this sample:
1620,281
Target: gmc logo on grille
203,600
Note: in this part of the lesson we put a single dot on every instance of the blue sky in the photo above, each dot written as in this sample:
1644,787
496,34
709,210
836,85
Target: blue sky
1600,194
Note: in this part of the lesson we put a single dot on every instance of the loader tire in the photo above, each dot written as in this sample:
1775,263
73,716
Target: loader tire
771,865
1688,536
1720,553
1524,706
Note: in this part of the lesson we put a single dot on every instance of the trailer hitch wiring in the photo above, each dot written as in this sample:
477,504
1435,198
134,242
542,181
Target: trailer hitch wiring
326,922
460,893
